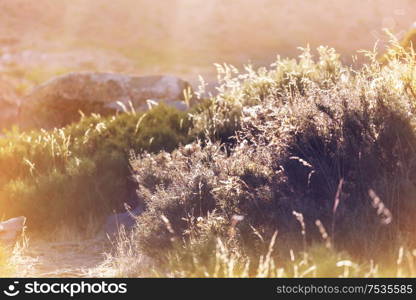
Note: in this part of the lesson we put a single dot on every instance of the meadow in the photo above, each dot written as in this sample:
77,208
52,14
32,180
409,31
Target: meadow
304,168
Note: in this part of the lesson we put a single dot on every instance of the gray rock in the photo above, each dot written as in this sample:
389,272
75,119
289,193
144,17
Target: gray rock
9,103
10,229
126,220
58,101
9,112
121,107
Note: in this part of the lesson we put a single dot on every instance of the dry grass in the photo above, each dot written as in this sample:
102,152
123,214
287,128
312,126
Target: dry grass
228,261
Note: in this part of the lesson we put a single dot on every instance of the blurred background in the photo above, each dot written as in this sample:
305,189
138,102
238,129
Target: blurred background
44,38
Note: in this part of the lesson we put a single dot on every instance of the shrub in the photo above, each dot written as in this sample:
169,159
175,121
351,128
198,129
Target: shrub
221,118
69,174
313,137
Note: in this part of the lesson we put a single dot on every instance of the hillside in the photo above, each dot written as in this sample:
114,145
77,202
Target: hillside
185,37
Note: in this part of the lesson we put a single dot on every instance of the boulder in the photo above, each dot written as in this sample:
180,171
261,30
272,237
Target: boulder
9,111
58,101
9,103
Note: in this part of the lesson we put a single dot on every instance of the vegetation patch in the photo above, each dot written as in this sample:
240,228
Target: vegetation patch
68,175
323,154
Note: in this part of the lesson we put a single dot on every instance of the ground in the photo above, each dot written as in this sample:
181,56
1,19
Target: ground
72,258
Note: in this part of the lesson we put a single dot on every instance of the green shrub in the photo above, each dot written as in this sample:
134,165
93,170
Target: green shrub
82,170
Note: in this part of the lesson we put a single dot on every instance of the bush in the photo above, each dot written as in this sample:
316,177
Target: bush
82,170
316,140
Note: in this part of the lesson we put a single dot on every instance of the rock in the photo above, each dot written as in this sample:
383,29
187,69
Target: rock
149,103
11,229
9,103
8,112
126,220
58,101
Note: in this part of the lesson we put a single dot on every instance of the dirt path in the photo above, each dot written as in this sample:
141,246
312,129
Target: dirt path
61,259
